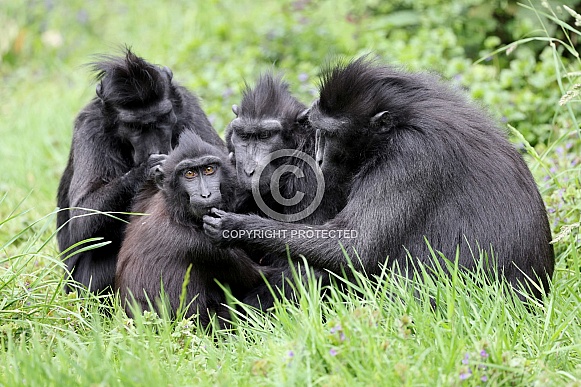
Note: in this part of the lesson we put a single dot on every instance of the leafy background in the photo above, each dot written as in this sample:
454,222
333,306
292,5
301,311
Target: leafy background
519,61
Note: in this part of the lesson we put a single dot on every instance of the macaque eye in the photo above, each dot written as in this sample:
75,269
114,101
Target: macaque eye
264,135
165,116
209,170
189,174
244,136
133,126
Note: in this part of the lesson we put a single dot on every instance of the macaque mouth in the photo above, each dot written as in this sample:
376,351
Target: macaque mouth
204,209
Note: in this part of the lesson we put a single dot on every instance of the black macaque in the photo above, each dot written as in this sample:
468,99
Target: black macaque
159,248
422,162
270,119
138,113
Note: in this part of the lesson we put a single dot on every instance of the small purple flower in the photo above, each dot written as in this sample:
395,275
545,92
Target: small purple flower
291,354
484,378
568,145
559,150
336,328
466,358
465,375
333,352
484,354
553,169
303,77
342,336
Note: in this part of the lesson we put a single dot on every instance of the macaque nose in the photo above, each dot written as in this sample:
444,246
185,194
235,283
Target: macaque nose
205,193
249,171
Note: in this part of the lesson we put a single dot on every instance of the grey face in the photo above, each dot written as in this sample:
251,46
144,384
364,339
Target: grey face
200,179
329,144
330,151
319,147
148,130
253,141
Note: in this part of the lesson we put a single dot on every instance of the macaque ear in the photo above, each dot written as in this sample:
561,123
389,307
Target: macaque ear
382,121
168,72
303,117
235,110
158,177
99,90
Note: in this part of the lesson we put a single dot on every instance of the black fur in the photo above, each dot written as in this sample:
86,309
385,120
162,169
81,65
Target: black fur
129,81
160,247
420,162
270,98
108,160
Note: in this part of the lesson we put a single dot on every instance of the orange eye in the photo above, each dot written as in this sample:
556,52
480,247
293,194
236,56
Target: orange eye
209,170
189,174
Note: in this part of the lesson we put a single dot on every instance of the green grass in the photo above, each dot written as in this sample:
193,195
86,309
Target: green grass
382,331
